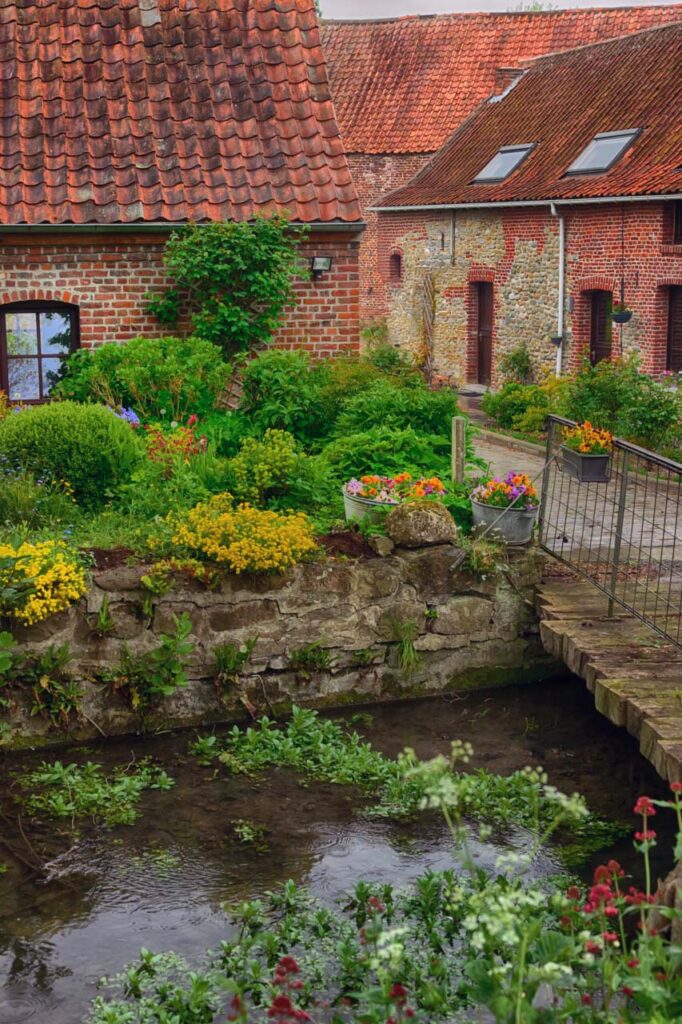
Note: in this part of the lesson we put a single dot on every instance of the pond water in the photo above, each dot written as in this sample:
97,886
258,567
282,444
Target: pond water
160,883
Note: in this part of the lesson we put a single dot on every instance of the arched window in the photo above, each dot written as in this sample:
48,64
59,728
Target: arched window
35,339
395,267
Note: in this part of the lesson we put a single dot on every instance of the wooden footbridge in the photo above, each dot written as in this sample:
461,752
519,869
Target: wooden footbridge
614,615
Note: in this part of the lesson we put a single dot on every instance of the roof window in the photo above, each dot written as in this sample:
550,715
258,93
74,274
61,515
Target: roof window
603,151
506,160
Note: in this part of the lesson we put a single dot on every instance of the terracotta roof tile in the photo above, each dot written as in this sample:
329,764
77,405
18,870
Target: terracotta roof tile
114,111
404,85
560,103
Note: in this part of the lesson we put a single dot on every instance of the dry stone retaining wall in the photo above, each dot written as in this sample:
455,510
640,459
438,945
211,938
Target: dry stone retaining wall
470,633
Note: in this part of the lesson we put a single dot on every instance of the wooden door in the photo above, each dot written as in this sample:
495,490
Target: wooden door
600,327
675,330
485,331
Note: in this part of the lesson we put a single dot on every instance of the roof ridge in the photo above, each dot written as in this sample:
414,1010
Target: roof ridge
464,15
527,62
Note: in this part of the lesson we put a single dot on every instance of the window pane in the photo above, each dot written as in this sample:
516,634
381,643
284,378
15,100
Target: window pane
55,333
22,334
601,152
51,368
23,380
503,163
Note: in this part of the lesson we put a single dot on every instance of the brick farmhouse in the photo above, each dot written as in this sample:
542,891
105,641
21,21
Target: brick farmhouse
402,86
122,119
558,197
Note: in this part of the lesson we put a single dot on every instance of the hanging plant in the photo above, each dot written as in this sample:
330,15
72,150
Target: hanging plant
620,314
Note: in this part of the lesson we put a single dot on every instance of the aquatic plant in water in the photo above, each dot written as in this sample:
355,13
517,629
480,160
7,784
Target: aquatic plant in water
75,791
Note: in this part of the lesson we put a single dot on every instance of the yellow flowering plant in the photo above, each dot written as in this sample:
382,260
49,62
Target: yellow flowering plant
242,538
588,440
38,580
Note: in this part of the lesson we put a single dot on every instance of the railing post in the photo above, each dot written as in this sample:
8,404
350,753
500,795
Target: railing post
545,476
618,543
459,441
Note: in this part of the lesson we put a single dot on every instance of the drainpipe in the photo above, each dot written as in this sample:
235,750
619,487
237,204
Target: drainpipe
562,287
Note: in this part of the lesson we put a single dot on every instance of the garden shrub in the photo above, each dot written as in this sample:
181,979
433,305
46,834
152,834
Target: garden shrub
387,451
618,397
38,580
388,404
243,539
160,378
237,276
28,503
282,392
86,446
525,407
156,486
517,365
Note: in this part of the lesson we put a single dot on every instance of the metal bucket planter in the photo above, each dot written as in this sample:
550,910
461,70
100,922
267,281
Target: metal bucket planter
586,469
515,525
363,508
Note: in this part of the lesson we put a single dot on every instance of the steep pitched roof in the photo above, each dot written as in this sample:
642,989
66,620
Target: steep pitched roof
403,85
124,111
560,103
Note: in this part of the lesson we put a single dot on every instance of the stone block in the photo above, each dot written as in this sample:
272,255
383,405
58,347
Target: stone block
463,615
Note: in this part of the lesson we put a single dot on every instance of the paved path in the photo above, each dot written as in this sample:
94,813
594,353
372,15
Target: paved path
502,459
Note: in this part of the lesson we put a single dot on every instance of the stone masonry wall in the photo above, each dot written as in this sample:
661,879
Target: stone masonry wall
470,633
517,251
108,278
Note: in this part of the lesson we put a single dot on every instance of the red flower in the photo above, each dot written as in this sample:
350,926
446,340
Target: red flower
633,963
399,993
627,991
376,904
610,937
611,911
573,892
586,999
592,947
288,965
644,806
676,787
615,869
645,837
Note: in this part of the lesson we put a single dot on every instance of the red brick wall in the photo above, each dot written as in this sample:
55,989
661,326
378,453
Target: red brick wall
651,267
108,277
373,177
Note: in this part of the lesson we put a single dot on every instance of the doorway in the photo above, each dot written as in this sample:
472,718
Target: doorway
484,362
674,360
600,326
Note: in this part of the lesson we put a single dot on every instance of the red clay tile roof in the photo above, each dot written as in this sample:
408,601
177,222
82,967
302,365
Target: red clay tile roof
122,111
560,103
403,85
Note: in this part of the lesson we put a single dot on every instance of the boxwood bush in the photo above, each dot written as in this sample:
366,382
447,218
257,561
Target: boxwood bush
86,446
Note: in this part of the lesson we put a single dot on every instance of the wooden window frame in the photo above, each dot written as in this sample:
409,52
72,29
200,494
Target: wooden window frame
677,222
37,307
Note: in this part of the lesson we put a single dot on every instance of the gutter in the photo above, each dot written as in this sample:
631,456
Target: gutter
594,201
562,289
156,228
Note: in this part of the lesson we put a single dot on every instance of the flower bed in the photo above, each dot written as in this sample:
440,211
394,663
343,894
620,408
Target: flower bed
509,506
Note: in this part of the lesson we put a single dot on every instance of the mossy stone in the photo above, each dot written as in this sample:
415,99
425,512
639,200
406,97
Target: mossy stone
420,523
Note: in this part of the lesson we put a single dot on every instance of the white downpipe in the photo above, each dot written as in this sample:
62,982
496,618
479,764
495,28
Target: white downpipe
562,287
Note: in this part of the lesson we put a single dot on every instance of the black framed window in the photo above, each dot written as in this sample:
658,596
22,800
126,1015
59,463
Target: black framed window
35,339
677,222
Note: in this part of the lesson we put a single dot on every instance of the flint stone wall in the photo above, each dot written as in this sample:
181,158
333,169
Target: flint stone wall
472,633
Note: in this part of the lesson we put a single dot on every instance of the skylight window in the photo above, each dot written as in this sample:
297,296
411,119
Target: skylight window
504,162
602,152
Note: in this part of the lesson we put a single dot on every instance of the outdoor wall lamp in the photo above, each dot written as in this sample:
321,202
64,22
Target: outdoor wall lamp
320,265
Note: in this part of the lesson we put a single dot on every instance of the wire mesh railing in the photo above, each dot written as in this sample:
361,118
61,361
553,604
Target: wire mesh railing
624,533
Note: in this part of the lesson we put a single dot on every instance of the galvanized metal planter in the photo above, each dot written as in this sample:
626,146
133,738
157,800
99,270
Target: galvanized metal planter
363,508
586,469
515,525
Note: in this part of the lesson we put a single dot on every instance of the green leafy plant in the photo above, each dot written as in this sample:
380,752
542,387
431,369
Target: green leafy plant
517,365
390,403
238,276
166,307
29,504
230,661
75,791
309,658
250,834
104,622
55,695
165,379
7,660
144,679
404,635
282,391
89,447
204,748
